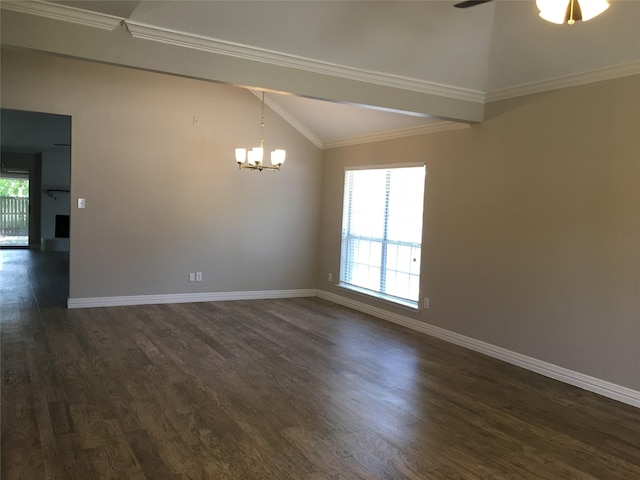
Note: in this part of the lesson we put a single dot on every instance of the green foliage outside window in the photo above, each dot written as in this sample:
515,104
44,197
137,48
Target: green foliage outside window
12,187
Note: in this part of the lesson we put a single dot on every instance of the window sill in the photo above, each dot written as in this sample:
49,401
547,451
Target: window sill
395,301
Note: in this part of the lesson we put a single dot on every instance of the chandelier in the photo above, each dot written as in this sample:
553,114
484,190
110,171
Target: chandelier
254,156
570,11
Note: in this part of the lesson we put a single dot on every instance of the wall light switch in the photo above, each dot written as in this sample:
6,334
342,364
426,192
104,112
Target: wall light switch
81,203
330,277
426,303
192,277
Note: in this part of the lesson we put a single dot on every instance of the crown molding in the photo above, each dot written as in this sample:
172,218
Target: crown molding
64,13
608,73
404,132
223,47
435,127
207,44
290,119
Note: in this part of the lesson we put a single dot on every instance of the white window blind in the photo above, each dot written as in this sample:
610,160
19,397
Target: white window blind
382,232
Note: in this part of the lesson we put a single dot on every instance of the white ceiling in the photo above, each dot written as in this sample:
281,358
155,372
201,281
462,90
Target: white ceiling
490,51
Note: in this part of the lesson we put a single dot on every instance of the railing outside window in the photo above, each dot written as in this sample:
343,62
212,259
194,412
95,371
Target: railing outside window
14,217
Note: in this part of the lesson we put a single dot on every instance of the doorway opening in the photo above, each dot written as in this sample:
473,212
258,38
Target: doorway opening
14,208
39,145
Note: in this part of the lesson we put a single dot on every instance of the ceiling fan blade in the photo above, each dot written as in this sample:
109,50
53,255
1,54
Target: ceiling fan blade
470,3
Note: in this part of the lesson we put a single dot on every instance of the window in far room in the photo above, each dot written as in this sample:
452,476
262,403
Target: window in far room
382,232
14,209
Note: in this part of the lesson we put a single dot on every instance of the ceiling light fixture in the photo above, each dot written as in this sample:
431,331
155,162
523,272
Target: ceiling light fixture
255,155
570,11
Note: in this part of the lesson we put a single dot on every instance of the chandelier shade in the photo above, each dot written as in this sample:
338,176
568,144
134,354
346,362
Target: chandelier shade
253,159
570,11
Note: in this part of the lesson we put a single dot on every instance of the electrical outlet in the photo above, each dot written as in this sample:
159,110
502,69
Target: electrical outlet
192,277
426,303
196,120
330,277
198,276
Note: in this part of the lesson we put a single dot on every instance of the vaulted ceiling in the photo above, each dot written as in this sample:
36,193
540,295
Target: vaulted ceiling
414,65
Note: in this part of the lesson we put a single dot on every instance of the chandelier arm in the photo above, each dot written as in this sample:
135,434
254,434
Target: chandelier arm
254,163
242,166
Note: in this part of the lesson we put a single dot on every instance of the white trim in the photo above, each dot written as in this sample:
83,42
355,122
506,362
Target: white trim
608,73
89,302
442,126
237,50
222,47
385,166
434,127
198,42
64,13
412,306
289,119
308,134
586,382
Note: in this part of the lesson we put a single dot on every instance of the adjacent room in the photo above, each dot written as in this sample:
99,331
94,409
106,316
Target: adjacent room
320,240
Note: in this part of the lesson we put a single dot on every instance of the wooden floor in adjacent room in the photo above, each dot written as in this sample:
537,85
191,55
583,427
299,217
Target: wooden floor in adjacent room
297,389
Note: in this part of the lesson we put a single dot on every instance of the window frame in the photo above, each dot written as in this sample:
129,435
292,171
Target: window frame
346,238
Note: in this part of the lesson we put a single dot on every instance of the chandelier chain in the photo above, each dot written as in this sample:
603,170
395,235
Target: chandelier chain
262,123
256,154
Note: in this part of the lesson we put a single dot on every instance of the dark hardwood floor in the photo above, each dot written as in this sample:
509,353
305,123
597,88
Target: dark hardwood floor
295,389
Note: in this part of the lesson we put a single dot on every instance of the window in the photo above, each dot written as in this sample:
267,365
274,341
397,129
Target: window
382,232
14,209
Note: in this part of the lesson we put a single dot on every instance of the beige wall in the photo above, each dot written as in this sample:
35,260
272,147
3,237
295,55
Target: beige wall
531,226
532,230
164,197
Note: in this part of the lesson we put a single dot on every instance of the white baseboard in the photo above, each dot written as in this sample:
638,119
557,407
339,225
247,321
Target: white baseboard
586,382
89,302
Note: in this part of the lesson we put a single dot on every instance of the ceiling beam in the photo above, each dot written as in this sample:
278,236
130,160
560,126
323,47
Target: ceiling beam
136,46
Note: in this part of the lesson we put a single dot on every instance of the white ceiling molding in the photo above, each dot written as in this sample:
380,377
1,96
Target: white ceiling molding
413,89
435,127
168,36
404,132
222,47
290,119
64,13
584,78
207,44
